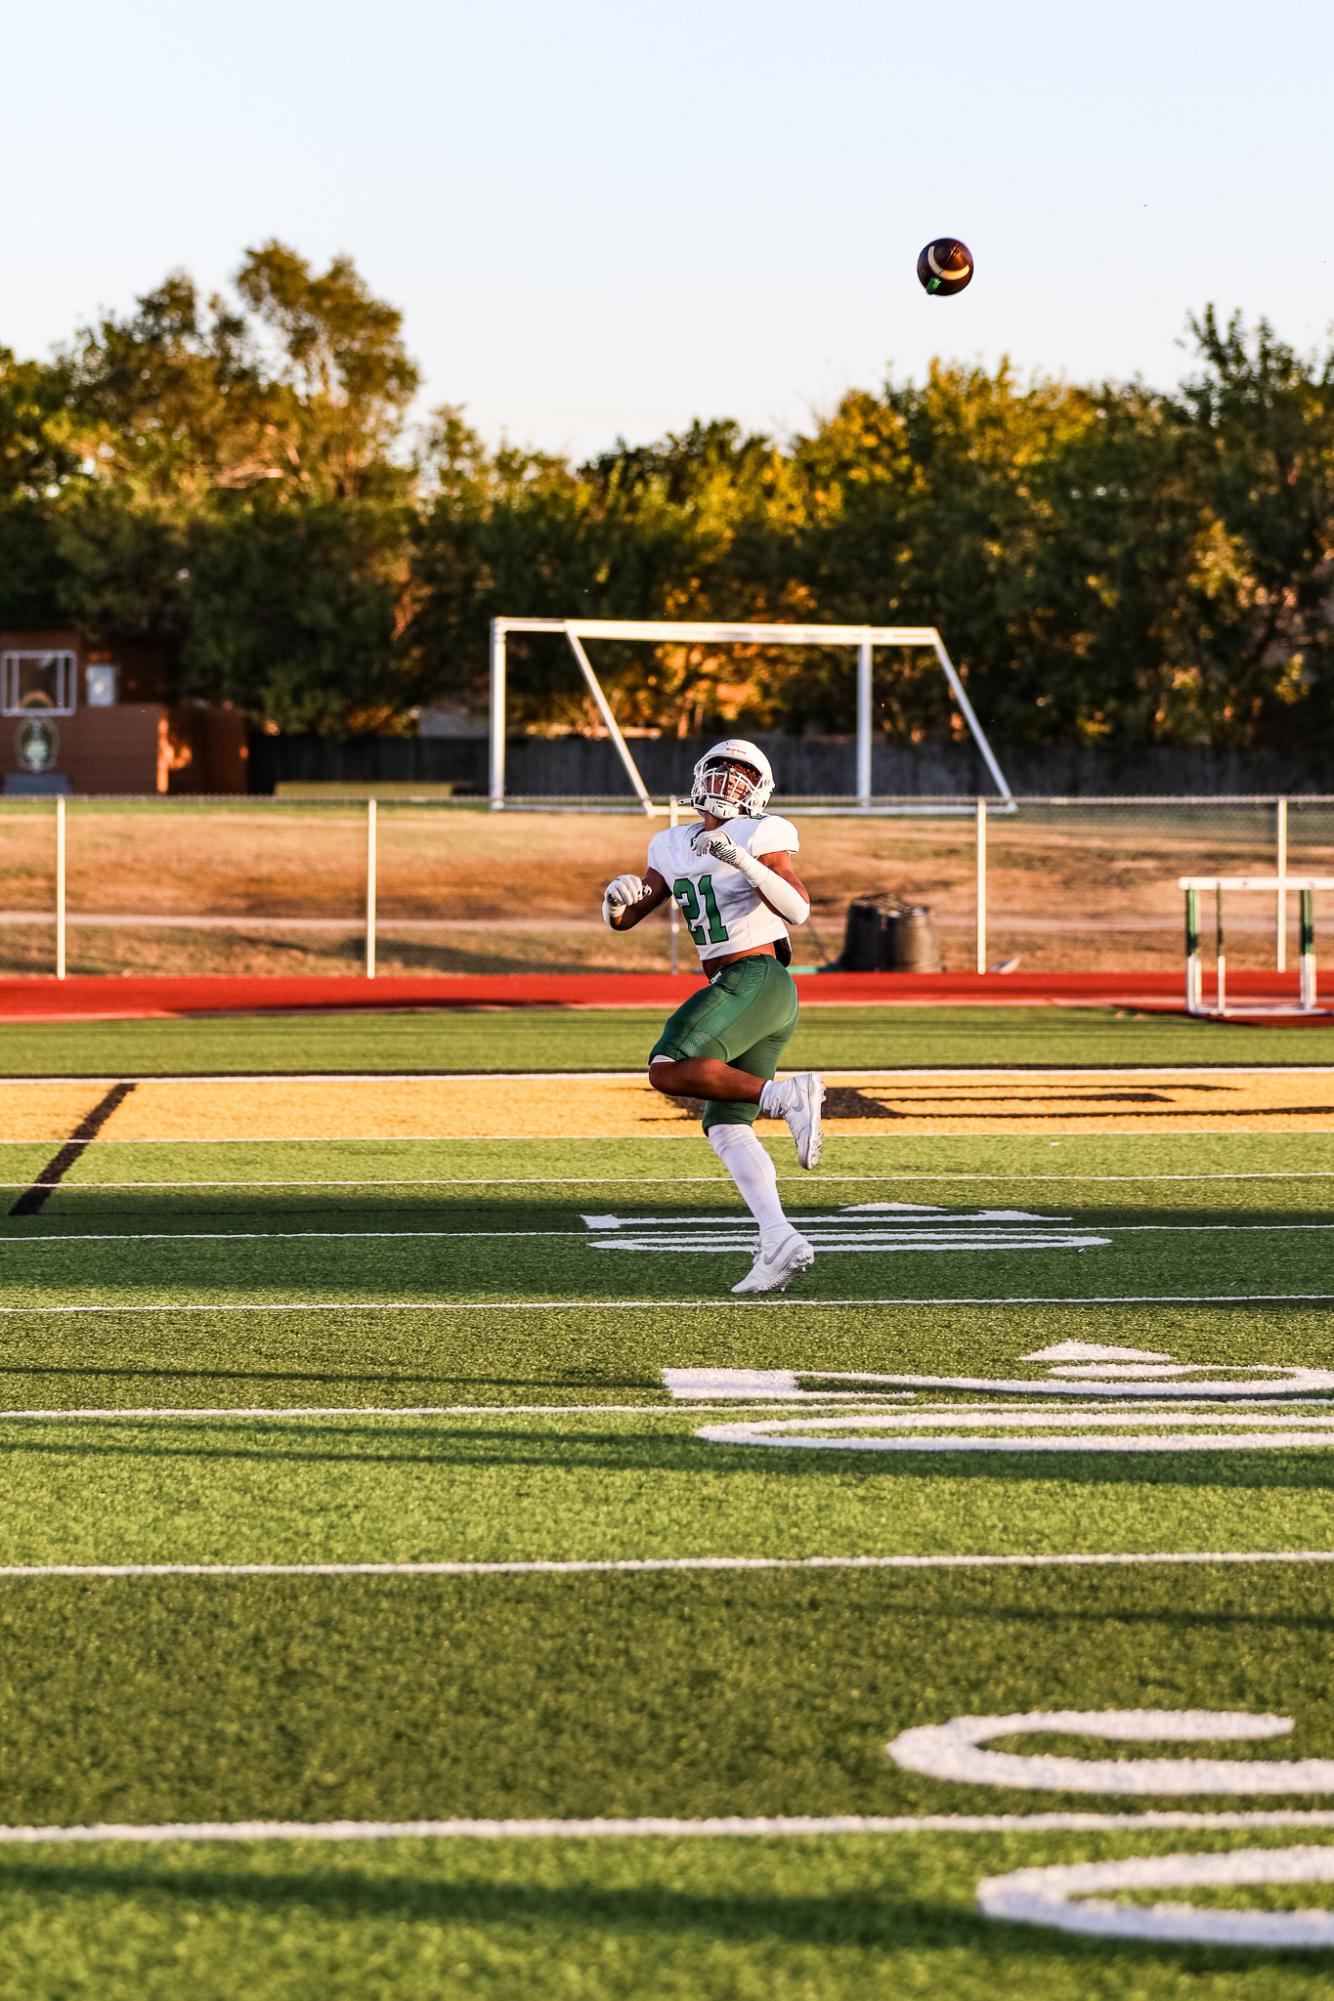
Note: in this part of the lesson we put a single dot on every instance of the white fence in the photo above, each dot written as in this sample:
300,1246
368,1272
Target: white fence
415,884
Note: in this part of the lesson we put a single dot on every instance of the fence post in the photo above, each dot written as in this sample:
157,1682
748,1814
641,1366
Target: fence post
496,758
674,920
864,723
1194,1000
370,888
1281,895
60,885
981,884
1307,944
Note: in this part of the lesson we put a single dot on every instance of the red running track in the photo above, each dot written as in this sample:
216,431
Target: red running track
123,998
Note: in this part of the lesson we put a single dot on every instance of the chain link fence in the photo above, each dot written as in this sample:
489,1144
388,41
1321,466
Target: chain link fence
280,885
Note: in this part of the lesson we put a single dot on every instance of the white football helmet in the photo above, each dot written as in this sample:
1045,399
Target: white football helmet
733,779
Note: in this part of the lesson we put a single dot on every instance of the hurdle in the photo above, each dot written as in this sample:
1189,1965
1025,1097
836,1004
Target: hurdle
1305,887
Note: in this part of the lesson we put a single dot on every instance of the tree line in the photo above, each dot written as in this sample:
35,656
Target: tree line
243,482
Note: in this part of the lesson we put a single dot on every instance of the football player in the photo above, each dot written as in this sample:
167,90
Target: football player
733,877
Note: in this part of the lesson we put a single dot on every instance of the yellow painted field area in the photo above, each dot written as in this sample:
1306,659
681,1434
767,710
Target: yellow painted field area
47,1110
859,1103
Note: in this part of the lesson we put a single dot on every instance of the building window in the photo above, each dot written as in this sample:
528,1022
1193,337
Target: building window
101,684
37,684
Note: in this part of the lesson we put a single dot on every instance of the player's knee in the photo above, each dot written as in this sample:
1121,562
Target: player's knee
664,1076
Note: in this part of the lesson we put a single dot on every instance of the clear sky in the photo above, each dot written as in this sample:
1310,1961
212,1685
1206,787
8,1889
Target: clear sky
605,218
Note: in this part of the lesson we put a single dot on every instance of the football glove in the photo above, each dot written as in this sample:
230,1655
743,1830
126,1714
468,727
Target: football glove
710,841
618,896
777,892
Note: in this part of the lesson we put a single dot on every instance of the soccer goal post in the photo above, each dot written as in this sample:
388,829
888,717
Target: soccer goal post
859,639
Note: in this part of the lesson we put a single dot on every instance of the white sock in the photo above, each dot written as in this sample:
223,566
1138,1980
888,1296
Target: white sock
753,1172
773,1099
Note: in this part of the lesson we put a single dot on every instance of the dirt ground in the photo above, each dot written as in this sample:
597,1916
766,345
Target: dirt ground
278,887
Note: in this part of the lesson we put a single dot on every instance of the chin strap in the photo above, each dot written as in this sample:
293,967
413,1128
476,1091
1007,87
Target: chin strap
791,905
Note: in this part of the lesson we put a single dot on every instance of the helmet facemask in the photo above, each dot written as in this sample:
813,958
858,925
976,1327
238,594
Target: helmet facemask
732,779
725,788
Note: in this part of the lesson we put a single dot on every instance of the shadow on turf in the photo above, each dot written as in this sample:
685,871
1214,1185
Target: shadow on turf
1205,1259
473,1209
455,1385
867,1919
333,1442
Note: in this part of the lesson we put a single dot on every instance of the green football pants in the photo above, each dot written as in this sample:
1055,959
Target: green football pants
745,1017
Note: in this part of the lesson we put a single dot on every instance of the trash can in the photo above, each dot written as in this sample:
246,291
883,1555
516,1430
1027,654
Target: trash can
887,934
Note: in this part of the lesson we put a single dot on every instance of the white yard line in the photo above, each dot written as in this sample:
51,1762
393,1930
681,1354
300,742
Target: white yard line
325,1236
634,1566
683,1129
1205,1229
868,1404
738,1827
908,1226
655,1180
767,1303
1001,1177
992,1072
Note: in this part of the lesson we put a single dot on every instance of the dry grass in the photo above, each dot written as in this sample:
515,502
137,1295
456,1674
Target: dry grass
520,891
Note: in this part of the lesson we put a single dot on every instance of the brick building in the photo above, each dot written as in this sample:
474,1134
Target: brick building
81,719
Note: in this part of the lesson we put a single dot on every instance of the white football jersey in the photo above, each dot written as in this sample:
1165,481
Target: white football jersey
724,912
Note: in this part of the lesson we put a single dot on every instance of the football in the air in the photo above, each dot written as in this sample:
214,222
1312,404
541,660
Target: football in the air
945,267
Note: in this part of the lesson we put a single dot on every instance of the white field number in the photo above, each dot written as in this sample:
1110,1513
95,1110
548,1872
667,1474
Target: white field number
1090,1396
1059,1896
1093,1398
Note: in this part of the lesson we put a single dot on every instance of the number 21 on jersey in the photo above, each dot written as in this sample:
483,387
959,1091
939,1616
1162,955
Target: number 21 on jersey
684,890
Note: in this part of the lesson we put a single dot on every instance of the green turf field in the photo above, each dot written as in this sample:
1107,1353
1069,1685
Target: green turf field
620,1038
419,1576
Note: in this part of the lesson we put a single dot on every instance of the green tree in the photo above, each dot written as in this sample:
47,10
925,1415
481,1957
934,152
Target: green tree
37,461
688,527
245,486
343,380
234,478
1262,421
293,613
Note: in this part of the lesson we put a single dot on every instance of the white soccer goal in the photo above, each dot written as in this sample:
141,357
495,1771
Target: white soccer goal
862,639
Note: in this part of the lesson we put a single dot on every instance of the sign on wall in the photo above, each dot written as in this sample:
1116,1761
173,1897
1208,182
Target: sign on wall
37,744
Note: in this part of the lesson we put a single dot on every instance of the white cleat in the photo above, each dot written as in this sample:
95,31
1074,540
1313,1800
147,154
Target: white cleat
805,1096
777,1263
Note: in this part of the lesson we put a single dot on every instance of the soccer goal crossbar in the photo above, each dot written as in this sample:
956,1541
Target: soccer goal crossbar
861,639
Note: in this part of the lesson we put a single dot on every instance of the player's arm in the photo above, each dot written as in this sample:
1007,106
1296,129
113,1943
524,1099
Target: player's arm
773,875
627,900
780,864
